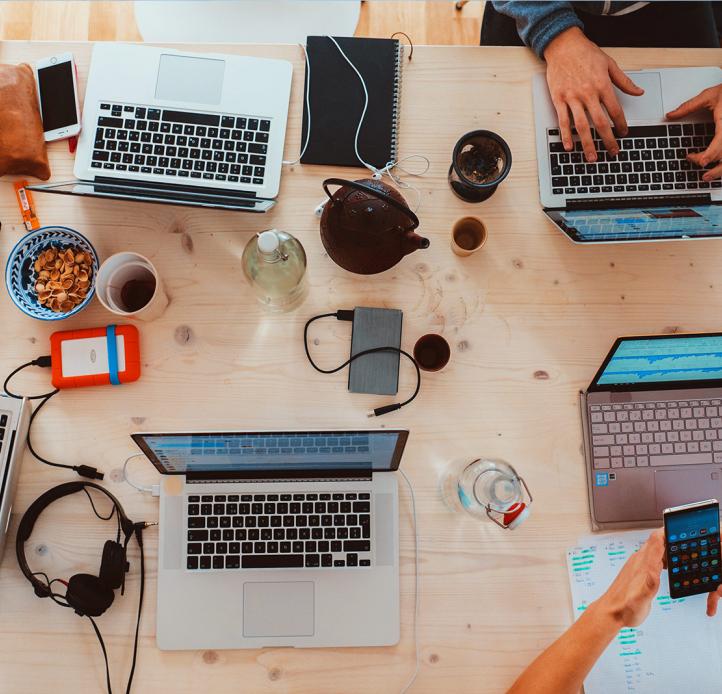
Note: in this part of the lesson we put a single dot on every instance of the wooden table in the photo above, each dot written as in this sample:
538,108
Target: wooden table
529,319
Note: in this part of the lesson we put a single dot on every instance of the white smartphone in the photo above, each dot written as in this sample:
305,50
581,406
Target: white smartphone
58,93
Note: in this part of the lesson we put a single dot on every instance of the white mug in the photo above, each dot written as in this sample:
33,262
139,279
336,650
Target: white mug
129,285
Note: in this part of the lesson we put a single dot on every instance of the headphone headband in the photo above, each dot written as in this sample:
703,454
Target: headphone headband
27,523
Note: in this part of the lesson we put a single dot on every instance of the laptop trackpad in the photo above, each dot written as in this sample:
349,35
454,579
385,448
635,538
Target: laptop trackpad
676,487
278,609
648,106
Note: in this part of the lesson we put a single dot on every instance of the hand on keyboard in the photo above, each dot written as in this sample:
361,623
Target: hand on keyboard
581,77
710,99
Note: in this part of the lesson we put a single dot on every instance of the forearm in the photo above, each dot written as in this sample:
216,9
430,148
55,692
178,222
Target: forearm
539,22
562,667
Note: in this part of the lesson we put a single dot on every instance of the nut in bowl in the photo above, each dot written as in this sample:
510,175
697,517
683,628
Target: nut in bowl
51,272
62,278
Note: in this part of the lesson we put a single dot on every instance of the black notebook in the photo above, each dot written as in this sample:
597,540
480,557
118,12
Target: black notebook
337,100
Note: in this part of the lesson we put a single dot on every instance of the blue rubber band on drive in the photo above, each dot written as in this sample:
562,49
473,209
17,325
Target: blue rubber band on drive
112,355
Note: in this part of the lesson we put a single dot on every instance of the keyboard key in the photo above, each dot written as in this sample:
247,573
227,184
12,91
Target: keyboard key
273,561
357,546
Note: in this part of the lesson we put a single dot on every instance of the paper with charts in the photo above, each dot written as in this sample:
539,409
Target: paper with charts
676,649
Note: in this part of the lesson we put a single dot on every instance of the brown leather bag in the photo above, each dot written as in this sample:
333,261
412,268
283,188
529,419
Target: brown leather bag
22,145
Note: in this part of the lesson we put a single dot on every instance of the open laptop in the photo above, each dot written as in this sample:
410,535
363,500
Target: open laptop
649,191
277,538
14,422
652,421
170,126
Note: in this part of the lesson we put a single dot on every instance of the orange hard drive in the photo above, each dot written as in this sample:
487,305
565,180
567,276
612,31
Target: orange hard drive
95,357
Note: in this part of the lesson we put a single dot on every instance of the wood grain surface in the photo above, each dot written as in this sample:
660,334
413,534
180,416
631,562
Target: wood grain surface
529,318
435,22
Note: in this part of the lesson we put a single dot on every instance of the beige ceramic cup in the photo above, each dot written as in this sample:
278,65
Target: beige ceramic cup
468,235
129,285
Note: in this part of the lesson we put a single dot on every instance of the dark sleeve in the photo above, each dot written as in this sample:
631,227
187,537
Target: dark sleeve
539,22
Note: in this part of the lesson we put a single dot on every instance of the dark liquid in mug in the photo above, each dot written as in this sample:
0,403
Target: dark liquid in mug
137,293
468,237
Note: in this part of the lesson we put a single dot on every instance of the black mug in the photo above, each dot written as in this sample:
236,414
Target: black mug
480,162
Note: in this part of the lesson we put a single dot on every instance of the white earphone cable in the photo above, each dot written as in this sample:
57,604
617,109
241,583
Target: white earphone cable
377,173
417,652
308,109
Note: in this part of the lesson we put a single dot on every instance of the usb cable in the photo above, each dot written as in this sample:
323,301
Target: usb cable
45,362
347,315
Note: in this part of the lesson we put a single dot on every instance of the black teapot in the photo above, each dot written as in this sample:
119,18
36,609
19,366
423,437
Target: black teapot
367,227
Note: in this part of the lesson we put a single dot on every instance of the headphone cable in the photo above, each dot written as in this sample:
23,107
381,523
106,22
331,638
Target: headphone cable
138,529
105,654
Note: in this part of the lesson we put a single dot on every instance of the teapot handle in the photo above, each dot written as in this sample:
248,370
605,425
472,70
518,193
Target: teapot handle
375,193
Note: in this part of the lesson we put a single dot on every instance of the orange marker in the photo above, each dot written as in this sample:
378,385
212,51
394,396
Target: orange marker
27,205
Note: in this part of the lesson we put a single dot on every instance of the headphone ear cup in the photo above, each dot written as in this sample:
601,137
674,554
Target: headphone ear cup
88,595
112,565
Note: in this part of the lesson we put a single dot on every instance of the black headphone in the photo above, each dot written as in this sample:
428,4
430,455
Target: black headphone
88,595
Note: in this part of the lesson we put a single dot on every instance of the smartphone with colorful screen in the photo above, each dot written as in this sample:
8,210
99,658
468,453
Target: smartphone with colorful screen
692,537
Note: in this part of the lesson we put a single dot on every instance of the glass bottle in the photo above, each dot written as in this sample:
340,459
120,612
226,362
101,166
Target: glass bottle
274,264
486,488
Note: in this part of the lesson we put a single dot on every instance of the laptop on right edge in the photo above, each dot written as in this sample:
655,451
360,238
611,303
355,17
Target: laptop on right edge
652,422
649,191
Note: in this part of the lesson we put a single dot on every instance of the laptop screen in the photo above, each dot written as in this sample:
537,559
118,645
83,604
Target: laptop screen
640,223
273,452
662,362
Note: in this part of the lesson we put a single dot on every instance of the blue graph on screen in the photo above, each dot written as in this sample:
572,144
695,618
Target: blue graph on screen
665,360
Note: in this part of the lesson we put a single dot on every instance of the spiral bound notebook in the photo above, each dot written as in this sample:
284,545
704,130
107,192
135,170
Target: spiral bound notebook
337,100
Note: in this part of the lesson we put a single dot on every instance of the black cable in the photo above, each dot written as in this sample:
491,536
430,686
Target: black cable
347,315
105,653
82,470
40,361
95,510
139,537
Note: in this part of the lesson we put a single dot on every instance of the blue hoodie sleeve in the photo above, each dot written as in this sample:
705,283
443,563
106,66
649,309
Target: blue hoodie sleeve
539,22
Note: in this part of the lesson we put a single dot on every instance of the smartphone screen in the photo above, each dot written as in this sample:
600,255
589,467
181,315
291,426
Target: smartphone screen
57,96
693,549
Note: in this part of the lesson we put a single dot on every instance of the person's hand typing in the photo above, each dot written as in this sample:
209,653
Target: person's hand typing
581,76
710,99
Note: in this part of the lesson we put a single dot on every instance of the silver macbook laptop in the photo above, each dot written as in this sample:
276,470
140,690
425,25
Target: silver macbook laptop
649,191
163,125
277,538
652,420
14,422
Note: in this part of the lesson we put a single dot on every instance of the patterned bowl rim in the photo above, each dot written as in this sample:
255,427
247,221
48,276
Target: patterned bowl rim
36,232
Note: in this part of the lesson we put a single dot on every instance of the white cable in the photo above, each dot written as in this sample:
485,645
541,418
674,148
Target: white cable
376,172
308,109
153,489
416,586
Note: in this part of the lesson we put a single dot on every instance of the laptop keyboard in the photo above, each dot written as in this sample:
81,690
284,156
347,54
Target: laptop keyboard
272,531
182,144
650,158
656,433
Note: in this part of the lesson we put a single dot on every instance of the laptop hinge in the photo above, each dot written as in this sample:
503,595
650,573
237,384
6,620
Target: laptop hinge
256,476
638,201
171,187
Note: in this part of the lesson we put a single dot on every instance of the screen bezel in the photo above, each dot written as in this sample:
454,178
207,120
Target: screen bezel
595,387
139,439
691,508
554,215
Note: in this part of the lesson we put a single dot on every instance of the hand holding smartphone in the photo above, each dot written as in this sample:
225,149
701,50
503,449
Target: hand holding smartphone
692,538
58,93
